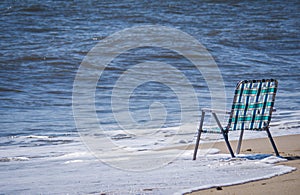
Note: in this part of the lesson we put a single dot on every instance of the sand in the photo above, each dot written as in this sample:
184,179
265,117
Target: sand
289,148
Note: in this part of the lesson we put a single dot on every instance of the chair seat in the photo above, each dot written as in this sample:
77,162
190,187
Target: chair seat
214,131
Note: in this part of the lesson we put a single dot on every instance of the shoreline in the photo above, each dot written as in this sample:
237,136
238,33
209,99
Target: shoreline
288,147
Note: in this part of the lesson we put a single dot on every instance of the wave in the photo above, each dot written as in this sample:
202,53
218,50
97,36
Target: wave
9,159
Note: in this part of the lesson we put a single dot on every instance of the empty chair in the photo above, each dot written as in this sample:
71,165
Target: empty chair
252,108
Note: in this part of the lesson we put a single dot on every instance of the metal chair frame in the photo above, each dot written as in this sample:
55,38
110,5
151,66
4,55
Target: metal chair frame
252,108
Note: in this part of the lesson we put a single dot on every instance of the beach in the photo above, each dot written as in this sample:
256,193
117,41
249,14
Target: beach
106,97
288,147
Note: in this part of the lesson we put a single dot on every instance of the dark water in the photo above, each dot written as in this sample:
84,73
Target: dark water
43,43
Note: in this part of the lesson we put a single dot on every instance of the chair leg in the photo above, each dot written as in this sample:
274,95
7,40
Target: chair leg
272,142
197,145
238,149
199,135
225,135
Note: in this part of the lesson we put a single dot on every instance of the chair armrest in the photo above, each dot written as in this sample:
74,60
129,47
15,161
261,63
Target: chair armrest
209,110
215,111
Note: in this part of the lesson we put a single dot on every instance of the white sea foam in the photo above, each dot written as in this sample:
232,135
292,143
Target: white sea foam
17,158
72,168
77,171
38,137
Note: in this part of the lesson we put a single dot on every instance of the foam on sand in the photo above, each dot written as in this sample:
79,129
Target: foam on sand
80,172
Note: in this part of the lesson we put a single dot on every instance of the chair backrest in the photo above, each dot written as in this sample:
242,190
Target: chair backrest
252,105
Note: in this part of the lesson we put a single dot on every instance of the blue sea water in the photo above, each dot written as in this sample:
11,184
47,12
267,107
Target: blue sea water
42,44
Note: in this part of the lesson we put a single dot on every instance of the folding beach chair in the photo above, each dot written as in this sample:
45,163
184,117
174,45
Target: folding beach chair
251,109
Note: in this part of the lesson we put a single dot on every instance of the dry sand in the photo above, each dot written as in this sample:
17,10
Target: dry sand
289,148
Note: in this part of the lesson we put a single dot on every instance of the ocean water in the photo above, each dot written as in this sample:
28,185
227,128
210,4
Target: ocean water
43,44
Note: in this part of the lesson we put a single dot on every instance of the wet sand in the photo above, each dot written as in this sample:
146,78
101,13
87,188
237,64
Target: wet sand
289,148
